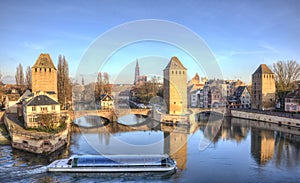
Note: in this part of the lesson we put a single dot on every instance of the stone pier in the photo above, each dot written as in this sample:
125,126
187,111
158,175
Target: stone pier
34,141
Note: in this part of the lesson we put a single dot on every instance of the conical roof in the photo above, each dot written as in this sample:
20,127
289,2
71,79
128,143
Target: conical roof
263,69
175,64
44,61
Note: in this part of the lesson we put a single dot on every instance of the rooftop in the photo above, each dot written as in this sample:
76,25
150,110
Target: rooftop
175,64
44,61
263,69
41,100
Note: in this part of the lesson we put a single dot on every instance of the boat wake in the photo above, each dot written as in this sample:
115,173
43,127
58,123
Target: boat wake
16,174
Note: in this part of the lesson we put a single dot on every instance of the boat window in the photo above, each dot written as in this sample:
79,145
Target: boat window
69,162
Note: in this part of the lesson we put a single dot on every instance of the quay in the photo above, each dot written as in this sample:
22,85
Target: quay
268,116
32,140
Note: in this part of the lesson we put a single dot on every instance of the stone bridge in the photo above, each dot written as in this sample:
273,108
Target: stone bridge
110,114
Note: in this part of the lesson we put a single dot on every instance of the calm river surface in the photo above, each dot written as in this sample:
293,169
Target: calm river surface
241,151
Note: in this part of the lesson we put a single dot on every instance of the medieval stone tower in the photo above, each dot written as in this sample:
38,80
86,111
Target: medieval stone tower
44,76
263,88
175,87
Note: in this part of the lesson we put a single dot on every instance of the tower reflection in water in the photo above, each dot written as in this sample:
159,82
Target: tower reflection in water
262,145
175,144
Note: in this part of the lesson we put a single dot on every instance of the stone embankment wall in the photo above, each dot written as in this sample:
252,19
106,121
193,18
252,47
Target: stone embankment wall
266,117
36,142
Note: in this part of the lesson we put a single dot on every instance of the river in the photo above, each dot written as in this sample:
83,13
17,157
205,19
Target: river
241,151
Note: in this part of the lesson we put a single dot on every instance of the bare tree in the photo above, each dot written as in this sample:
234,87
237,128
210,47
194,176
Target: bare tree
64,85
102,85
19,76
28,79
286,74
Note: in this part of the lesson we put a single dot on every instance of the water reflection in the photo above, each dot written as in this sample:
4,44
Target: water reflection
239,145
175,144
269,142
262,145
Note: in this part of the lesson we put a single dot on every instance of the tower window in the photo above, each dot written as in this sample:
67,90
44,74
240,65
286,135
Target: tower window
45,69
179,72
176,72
50,70
182,72
35,69
172,72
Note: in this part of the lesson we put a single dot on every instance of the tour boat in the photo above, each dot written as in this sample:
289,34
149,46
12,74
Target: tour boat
114,163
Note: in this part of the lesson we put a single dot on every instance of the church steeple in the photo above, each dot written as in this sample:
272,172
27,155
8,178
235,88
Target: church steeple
137,72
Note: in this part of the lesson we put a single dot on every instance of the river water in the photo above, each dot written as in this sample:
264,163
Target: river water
240,151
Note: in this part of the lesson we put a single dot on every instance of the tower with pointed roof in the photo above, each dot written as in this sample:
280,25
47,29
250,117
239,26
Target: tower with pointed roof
175,87
44,76
137,73
263,88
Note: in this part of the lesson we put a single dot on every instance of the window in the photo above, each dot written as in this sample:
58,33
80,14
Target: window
175,72
35,69
174,102
44,109
53,108
45,69
182,72
33,108
179,72
50,70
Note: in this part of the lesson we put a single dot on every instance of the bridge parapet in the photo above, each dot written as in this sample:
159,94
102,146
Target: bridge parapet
109,114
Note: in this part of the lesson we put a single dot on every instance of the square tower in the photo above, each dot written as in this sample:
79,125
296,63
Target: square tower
175,87
263,89
44,76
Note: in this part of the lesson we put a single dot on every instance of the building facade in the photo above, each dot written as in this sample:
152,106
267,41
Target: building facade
175,87
44,76
263,89
292,101
241,98
107,102
38,105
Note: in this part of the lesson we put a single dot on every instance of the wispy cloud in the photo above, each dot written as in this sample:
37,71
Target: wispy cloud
33,46
268,47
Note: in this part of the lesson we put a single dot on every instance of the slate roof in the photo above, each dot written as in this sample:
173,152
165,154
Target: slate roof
106,97
41,100
295,94
239,91
263,69
44,61
175,64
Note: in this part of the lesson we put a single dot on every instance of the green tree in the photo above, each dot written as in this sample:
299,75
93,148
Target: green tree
150,89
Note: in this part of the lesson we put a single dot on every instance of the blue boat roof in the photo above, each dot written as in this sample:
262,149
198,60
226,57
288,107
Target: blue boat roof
117,160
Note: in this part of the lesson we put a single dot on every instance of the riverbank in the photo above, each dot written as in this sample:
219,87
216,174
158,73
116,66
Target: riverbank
267,116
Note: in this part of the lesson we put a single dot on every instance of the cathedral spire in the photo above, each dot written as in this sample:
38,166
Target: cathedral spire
137,72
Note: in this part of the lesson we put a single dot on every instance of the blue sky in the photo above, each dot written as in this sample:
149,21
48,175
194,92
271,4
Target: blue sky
240,34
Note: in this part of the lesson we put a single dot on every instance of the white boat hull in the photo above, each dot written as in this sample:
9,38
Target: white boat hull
64,165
